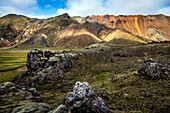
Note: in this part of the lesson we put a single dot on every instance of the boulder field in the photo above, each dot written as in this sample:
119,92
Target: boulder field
16,99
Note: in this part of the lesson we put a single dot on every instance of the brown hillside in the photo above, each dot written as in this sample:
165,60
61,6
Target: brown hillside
76,35
65,31
137,24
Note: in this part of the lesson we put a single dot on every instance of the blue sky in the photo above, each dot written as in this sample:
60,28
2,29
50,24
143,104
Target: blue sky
51,8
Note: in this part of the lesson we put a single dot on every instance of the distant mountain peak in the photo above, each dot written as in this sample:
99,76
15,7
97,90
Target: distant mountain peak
65,31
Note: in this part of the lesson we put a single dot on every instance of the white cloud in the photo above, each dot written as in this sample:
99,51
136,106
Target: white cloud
38,16
86,7
115,7
47,6
8,9
165,11
24,7
19,3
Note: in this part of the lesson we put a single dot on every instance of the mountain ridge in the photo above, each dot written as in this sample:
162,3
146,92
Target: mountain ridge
21,31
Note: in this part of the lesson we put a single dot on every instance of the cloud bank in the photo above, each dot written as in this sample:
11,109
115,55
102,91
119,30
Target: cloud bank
115,7
32,9
17,6
165,11
23,7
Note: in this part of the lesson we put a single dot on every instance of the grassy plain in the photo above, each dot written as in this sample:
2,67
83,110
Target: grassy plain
133,94
11,65
13,61
105,72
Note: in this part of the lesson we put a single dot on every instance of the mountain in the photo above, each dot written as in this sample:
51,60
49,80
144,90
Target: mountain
119,36
75,36
137,24
143,28
74,32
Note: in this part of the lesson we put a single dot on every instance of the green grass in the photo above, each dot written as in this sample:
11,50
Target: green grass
12,60
10,76
48,48
134,94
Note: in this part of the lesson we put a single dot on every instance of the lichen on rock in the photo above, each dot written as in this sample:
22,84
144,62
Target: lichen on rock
48,65
154,69
14,95
84,100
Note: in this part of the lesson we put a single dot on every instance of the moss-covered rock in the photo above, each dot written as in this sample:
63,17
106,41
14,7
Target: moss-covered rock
83,100
40,69
12,95
97,46
154,69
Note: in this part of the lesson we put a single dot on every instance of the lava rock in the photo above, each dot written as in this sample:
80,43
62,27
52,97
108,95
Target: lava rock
83,100
40,68
100,46
120,54
34,91
14,95
154,69
48,54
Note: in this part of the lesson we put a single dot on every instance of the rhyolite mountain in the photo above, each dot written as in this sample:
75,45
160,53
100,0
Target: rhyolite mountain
18,31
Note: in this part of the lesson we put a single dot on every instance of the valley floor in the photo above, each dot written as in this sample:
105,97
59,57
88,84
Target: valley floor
113,77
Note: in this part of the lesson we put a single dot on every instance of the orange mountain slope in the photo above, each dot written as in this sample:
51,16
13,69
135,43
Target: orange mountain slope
137,24
65,31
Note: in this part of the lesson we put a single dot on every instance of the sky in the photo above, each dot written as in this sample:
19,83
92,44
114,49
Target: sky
51,8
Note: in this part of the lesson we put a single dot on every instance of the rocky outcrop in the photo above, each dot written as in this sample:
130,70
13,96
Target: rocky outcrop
12,95
156,35
45,66
97,46
120,54
15,99
84,100
153,68
65,15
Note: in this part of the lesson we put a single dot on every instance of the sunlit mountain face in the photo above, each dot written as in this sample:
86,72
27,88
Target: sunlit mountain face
65,31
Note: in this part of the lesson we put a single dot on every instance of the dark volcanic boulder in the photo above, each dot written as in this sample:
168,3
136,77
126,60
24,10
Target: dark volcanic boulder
120,54
40,68
8,89
34,59
48,54
12,95
83,100
154,69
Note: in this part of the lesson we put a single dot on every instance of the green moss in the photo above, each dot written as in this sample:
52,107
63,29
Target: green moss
9,77
134,94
